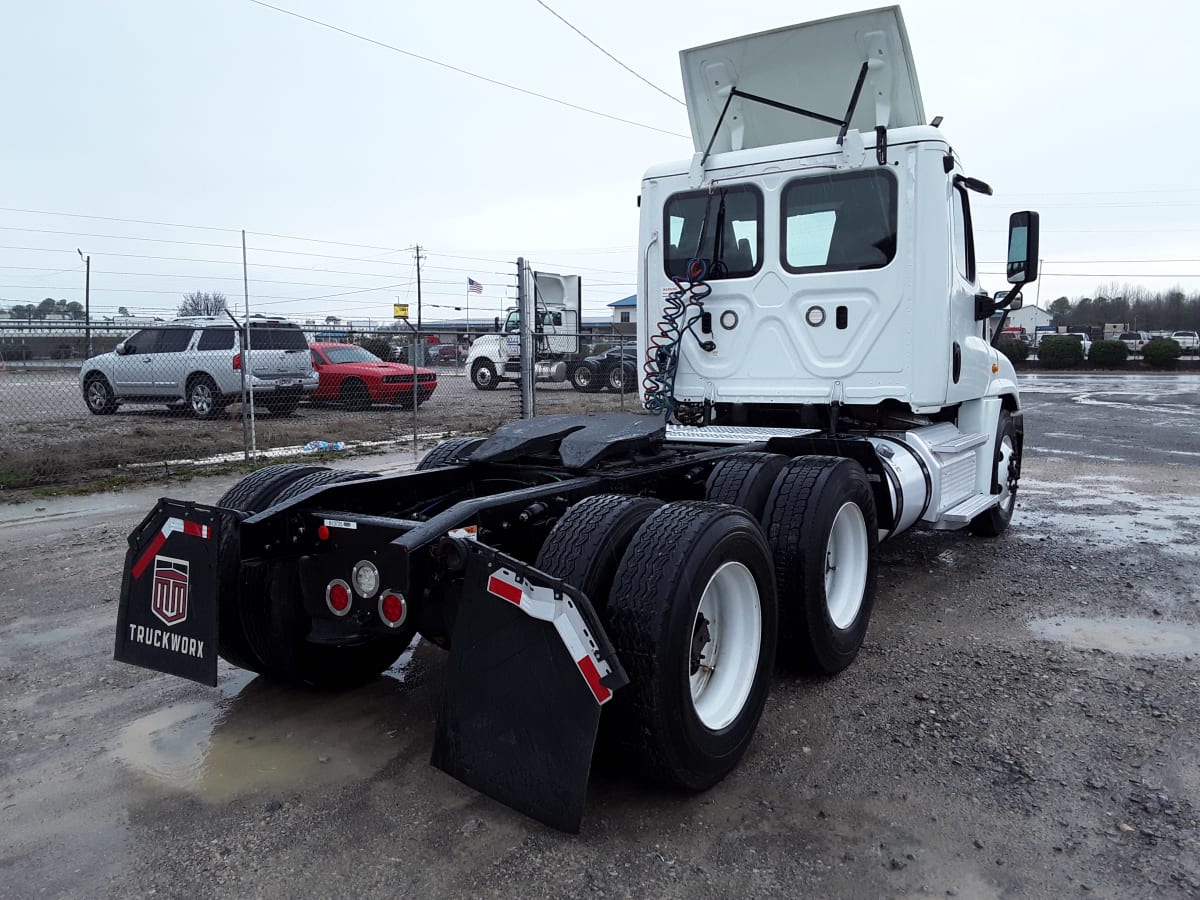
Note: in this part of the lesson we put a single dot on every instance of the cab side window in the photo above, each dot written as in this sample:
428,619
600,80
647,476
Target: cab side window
216,339
964,243
723,228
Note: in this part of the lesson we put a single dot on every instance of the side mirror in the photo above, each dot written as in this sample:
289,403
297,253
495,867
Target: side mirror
558,320
1017,302
124,348
497,321
1022,248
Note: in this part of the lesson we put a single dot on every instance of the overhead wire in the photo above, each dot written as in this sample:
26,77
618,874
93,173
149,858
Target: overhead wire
462,71
636,75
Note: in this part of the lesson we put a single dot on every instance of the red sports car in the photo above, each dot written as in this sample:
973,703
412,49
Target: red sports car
358,378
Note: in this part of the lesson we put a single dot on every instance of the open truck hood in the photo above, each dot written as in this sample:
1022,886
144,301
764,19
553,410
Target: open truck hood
814,66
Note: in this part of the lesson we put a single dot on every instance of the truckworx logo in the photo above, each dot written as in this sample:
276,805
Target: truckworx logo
169,592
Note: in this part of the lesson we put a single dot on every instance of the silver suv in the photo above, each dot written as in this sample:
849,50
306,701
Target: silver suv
197,362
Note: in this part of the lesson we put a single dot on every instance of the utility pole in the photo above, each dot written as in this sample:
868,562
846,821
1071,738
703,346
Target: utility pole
419,347
87,304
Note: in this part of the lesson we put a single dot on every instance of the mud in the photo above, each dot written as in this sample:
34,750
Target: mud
1023,721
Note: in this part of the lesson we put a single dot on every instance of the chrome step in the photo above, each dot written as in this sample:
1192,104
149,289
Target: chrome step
731,434
959,444
971,507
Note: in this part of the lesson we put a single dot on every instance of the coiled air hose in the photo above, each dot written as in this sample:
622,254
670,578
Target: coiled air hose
663,348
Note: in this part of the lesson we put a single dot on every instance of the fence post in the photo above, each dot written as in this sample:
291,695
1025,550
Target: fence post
412,357
526,302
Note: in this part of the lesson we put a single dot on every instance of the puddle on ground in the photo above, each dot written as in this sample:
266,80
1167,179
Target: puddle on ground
1132,637
269,738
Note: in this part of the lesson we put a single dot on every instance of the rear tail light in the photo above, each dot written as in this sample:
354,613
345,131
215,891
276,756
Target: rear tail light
337,597
392,609
237,362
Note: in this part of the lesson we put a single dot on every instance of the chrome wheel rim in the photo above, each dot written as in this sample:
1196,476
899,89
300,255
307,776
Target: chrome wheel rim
1006,475
202,398
97,396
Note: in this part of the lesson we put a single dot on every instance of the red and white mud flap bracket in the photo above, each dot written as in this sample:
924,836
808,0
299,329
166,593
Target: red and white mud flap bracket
530,668
167,617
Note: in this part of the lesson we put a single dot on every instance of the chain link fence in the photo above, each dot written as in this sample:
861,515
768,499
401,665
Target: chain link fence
166,396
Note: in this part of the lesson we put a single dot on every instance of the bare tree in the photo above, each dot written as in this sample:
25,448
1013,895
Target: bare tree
198,303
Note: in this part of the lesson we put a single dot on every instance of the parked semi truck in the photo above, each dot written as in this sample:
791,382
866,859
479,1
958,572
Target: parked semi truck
816,379
557,302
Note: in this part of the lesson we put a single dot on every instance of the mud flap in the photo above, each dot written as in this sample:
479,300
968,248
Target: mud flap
530,667
167,618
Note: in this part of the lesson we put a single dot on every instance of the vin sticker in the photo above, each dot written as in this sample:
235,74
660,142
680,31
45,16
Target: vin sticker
338,523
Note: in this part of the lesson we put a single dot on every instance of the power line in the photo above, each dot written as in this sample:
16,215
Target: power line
468,73
610,56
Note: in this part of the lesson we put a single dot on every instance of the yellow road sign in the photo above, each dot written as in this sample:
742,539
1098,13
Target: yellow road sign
399,310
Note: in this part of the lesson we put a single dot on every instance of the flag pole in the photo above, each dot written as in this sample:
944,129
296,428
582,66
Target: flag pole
468,305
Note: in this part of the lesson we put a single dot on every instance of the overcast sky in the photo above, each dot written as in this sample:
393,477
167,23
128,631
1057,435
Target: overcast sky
225,114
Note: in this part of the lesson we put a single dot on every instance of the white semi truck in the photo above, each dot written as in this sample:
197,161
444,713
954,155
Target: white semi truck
557,302
817,379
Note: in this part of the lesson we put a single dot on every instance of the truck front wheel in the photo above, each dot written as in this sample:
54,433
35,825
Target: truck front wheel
1006,474
821,523
483,375
698,644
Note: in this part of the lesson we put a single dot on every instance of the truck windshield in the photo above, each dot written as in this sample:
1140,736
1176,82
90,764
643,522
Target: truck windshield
723,228
838,222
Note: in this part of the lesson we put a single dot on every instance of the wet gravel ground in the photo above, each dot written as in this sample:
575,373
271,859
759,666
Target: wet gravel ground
1023,721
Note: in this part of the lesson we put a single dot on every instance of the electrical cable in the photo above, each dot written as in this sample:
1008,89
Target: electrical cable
663,349
468,73
636,75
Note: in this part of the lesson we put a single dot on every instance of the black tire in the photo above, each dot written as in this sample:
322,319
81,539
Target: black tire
652,620
483,375
808,495
584,378
745,480
203,398
278,630
319,478
448,453
99,397
252,494
994,521
586,545
615,379
354,394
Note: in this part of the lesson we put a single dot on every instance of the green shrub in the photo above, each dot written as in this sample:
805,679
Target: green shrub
1108,353
1162,352
1016,351
1060,352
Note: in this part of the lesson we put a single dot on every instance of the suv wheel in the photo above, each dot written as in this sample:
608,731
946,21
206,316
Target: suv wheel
99,396
203,398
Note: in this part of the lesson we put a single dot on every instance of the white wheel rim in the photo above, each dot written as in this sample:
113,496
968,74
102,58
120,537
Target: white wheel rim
730,615
1007,495
846,565
583,377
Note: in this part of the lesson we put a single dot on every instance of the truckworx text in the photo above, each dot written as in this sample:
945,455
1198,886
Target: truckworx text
816,377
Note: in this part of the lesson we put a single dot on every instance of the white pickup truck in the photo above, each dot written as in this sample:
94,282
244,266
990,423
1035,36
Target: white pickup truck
1188,340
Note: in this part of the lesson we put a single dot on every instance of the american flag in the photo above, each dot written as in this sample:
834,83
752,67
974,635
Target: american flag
474,287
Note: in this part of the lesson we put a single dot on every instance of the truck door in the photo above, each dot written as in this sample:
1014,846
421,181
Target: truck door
970,369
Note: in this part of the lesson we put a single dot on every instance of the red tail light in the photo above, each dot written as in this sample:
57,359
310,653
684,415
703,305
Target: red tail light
337,597
237,362
392,609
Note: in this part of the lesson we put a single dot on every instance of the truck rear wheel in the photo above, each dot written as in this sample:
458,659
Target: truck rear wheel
447,453
821,523
1006,473
698,644
252,494
745,480
322,476
586,545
